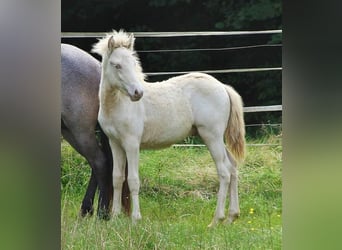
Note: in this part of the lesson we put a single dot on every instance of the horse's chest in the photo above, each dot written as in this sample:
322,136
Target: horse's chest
119,121
106,124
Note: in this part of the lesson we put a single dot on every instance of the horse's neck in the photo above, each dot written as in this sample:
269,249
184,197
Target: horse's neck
108,95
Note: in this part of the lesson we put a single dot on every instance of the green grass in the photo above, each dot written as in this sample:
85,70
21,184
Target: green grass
178,200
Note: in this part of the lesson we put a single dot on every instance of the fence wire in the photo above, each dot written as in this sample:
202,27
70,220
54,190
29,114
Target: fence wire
172,34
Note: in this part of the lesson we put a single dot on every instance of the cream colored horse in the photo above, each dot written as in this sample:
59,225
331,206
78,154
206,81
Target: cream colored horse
135,114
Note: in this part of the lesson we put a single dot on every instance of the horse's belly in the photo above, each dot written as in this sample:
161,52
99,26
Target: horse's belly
165,130
165,140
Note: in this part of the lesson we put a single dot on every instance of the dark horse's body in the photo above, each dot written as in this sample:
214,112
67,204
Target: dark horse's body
81,74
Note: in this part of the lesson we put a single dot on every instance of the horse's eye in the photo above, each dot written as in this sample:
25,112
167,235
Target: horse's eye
116,65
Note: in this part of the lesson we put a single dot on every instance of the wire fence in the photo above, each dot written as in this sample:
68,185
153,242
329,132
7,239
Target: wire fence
192,33
211,49
172,34
217,71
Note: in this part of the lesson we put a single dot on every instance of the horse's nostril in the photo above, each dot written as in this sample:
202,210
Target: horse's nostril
138,93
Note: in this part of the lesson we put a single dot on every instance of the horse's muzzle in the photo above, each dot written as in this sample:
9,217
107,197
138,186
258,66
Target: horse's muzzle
137,95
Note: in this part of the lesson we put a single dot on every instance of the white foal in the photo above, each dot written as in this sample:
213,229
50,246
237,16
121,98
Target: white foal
135,114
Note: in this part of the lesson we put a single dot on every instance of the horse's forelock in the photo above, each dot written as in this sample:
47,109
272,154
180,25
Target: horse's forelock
112,41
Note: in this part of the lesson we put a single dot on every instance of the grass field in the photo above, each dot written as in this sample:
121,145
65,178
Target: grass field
178,200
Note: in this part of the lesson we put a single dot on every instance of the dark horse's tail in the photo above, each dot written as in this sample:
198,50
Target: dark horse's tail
125,196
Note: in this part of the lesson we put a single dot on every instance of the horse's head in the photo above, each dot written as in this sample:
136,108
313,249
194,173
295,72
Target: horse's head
121,71
121,67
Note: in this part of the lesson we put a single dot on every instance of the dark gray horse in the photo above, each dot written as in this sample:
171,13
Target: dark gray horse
81,74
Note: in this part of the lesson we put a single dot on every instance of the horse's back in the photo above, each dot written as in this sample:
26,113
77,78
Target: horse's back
81,75
79,68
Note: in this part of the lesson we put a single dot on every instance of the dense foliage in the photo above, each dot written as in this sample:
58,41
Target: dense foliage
258,88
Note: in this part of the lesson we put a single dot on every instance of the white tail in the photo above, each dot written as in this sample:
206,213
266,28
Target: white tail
235,132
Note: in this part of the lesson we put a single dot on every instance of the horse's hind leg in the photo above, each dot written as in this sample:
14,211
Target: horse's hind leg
88,200
101,171
215,144
86,144
234,210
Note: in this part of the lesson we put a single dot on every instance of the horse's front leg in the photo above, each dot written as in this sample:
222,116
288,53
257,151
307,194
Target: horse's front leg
119,162
132,152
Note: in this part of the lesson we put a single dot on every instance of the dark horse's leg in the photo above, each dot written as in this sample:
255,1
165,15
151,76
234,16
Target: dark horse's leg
86,144
88,200
126,194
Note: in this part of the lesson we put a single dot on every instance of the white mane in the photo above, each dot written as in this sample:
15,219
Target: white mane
120,39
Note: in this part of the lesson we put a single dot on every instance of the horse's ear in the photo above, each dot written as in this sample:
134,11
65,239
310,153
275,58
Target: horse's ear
131,41
111,43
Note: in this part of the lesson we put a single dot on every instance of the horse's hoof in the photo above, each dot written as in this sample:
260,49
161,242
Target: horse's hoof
136,219
213,223
86,212
231,218
103,214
